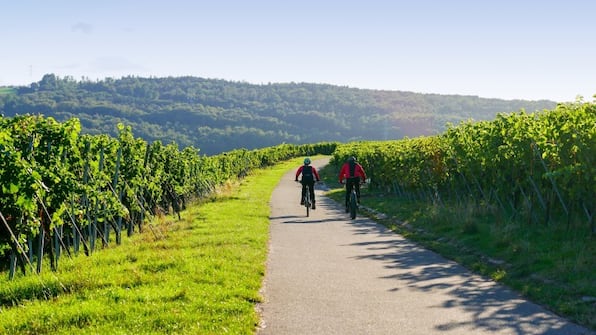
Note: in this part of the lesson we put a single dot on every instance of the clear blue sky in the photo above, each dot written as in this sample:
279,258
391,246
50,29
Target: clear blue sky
510,49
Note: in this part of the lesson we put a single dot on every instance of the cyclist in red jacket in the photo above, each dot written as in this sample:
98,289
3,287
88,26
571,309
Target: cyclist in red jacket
354,174
309,176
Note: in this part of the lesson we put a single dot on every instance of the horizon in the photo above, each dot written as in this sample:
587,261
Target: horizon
531,50
265,84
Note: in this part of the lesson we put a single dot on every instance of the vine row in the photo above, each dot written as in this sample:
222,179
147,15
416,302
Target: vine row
536,166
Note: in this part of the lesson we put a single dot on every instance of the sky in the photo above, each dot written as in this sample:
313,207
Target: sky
506,49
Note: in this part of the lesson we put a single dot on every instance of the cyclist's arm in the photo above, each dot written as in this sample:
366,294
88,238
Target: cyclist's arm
362,173
314,171
299,172
342,173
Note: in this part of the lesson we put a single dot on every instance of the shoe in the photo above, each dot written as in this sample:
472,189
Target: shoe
313,206
301,202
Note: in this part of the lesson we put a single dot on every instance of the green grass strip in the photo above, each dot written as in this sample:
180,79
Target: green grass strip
200,275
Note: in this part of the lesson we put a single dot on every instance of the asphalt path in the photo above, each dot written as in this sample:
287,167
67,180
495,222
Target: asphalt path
327,274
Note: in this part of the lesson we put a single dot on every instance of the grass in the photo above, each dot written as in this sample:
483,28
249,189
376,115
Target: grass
551,265
199,275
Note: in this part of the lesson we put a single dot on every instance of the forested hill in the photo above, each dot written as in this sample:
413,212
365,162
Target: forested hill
218,115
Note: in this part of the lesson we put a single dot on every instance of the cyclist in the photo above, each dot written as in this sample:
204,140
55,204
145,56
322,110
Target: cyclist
309,175
354,174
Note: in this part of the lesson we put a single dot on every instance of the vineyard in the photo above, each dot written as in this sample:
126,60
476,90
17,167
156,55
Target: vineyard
537,168
63,192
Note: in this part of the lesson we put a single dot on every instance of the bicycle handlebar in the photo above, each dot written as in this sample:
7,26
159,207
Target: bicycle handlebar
361,182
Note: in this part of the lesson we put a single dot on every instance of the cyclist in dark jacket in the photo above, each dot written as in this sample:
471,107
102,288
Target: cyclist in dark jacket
353,174
309,176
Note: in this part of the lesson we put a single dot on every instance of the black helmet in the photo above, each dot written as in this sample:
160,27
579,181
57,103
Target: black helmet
352,159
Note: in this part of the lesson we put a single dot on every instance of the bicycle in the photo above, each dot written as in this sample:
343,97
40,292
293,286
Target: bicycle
352,206
306,200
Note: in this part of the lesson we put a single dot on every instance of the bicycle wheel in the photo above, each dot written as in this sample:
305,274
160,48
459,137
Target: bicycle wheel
353,205
307,201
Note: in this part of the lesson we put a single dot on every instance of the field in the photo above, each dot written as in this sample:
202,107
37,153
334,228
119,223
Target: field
511,199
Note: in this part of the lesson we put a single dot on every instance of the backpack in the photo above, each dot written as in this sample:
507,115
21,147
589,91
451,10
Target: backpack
307,175
352,169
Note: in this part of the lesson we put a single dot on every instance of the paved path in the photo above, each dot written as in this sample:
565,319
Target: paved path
327,274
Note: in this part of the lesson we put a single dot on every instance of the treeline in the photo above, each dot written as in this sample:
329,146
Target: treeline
217,116
62,191
538,168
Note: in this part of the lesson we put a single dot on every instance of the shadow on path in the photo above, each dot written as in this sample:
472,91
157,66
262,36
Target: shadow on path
493,307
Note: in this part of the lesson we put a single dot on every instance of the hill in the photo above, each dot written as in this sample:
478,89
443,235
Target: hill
217,115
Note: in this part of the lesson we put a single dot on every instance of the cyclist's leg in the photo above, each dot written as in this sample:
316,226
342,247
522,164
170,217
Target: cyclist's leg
303,193
357,185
